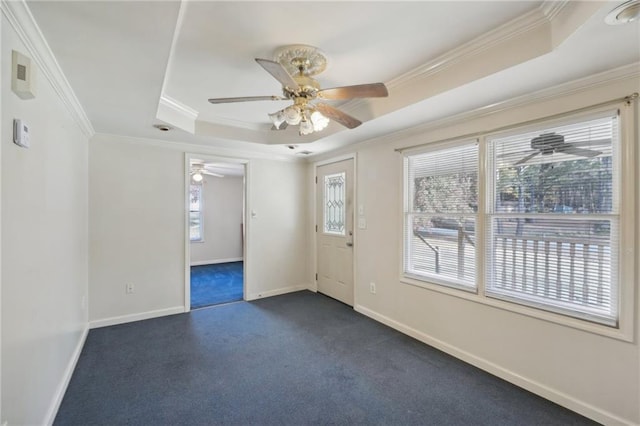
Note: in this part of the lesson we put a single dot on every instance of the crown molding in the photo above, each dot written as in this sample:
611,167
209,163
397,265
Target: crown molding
19,16
177,114
529,22
179,107
625,72
552,9
512,29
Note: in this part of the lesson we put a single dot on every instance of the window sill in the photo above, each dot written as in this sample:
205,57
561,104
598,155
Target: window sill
622,333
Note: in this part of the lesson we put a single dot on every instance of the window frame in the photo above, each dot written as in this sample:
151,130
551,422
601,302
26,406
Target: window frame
613,216
427,279
628,194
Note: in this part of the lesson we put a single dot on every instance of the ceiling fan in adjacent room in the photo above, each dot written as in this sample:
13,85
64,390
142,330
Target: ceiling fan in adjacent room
294,67
550,143
198,170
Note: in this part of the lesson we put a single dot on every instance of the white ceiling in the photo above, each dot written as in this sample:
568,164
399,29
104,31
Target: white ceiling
135,64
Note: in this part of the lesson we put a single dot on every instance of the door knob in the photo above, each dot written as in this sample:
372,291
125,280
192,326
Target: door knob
349,244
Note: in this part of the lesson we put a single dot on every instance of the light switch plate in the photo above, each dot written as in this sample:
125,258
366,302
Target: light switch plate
362,223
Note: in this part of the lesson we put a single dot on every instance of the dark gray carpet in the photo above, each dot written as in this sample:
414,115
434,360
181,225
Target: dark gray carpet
296,359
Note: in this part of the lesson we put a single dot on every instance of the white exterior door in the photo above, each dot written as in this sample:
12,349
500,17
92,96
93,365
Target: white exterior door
334,235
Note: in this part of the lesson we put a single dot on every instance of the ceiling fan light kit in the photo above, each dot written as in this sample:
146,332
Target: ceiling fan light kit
294,67
310,119
199,169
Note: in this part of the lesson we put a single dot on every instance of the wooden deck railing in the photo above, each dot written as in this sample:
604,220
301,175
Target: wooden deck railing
571,269
567,269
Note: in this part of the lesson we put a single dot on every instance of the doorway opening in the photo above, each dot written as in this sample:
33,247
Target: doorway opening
216,231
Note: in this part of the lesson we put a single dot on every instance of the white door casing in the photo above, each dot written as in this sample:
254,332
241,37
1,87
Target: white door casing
334,236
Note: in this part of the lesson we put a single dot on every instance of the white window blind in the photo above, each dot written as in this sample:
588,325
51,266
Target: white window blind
441,203
553,218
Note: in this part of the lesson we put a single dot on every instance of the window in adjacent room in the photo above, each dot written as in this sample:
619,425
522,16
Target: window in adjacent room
195,213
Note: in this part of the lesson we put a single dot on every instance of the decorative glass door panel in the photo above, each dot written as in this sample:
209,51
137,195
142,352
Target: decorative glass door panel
334,204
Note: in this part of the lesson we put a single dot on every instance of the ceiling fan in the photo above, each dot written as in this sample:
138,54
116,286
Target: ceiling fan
549,143
294,67
199,169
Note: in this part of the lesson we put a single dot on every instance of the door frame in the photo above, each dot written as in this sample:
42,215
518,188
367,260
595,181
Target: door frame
350,156
245,217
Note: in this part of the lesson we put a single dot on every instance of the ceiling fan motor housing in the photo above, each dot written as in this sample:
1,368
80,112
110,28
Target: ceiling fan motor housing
547,143
307,88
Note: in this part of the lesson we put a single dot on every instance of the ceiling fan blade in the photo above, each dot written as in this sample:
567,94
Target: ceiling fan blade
569,149
336,115
246,99
278,72
527,158
373,90
207,172
589,142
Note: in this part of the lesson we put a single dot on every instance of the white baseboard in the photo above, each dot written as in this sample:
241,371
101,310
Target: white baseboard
66,378
136,317
276,292
213,262
540,389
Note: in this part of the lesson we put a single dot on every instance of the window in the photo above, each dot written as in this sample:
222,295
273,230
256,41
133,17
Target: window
440,215
546,202
195,213
552,219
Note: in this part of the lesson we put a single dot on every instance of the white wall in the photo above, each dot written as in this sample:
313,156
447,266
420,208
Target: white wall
137,213
44,248
596,375
277,242
222,201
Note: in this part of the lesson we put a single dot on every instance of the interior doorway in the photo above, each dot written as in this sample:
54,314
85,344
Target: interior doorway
216,231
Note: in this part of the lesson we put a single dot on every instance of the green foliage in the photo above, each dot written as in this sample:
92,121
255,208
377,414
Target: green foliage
575,186
453,193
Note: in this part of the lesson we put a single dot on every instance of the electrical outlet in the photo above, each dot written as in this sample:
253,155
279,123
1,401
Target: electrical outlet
83,303
129,288
372,288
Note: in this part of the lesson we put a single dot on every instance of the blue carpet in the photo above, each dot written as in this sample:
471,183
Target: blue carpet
215,284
